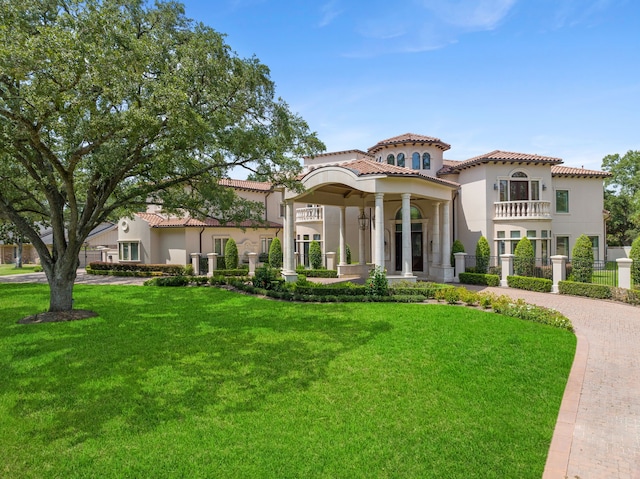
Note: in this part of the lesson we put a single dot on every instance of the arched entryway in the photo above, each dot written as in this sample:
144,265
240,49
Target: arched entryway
417,240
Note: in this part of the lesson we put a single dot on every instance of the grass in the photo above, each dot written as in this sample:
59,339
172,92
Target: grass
9,269
201,382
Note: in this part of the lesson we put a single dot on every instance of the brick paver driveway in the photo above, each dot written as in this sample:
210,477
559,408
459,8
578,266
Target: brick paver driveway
598,431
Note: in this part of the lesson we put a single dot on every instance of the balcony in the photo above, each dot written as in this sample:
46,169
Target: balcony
312,213
522,210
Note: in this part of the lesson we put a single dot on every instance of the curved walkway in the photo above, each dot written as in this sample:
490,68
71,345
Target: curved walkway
597,435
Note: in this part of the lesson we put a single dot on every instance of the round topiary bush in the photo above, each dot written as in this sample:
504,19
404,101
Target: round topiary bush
483,253
275,253
582,260
524,262
231,254
457,247
315,255
634,254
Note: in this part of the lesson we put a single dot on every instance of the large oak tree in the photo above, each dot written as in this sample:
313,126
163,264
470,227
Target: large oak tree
106,106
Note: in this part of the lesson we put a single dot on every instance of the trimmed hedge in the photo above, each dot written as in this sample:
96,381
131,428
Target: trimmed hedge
318,273
590,290
231,272
541,285
480,278
168,269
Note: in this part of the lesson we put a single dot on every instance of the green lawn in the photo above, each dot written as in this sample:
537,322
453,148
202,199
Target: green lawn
7,269
201,382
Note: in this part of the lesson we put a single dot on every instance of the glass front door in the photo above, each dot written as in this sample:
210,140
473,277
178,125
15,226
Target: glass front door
417,263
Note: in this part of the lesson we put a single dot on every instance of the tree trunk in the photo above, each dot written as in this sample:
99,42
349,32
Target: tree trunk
61,280
19,256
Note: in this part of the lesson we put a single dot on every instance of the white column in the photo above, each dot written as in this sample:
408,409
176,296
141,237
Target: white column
343,250
379,246
289,270
506,261
435,235
406,235
559,271
446,235
253,259
361,258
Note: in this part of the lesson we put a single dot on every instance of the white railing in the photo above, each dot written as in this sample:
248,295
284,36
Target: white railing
522,209
312,213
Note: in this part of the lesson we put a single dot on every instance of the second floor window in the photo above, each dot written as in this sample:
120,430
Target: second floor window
519,188
562,201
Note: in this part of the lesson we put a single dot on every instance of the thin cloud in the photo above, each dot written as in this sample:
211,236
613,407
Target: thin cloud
423,25
329,12
569,13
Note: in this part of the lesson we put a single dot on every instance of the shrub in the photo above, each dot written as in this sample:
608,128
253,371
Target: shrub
377,283
188,270
524,261
315,255
263,257
38,269
275,253
478,278
582,260
634,254
597,291
457,247
347,254
231,254
168,281
483,253
541,285
266,277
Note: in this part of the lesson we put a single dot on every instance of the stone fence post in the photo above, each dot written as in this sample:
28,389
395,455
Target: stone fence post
253,258
213,263
559,263
195,262
506,263
624,272
331,260
460,261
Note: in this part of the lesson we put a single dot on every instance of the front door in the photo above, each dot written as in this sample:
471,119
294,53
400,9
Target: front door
416,251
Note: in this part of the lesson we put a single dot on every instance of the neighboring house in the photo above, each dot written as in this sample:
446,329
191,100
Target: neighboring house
398,205
103,236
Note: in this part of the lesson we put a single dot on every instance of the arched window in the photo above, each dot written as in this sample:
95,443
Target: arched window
401,159
415,214
426,161
391,159
415,161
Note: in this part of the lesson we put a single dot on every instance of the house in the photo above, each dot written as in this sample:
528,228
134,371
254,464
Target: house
155,238
102,237
398,205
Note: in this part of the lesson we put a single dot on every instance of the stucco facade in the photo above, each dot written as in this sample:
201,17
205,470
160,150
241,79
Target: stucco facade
400,205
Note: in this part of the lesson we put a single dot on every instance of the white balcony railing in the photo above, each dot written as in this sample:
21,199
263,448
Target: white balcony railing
526,209
312,213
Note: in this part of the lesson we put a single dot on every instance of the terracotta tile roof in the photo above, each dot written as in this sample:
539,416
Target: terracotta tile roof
506,157
409,138
578,172
247,185
331,153
151,218
159,221
364,167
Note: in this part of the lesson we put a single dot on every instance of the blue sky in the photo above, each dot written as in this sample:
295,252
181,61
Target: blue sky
551,77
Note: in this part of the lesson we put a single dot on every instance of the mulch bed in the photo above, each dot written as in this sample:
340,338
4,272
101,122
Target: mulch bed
54,317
